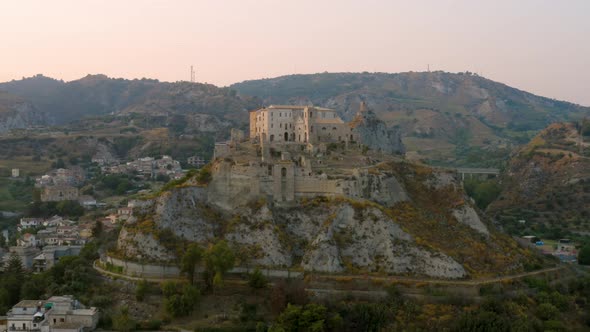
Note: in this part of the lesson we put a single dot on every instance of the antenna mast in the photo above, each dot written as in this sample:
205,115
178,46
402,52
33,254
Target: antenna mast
192,75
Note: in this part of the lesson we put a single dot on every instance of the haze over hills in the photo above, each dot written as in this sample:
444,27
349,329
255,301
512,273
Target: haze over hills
444,117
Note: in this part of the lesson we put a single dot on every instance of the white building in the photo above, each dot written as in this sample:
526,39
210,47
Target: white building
58,313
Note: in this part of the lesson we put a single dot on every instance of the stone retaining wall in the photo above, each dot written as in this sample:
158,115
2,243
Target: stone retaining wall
135,269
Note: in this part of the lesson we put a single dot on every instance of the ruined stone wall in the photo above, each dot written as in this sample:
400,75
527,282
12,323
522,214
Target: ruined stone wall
317,186
284,182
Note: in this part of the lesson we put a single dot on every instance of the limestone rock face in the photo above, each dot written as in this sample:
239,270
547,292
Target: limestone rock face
371,241
140,246
374,133
17,114
467,215
184,211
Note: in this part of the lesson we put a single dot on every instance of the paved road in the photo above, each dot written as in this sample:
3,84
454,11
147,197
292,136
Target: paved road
476,282
390,279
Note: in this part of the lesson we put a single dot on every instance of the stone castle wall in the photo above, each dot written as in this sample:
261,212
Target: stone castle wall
235,185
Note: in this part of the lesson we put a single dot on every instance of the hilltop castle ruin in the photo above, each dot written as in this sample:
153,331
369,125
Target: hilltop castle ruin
304,151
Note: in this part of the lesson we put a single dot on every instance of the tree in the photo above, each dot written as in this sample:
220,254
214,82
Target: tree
312,317
14,266
257,280
180,302
219,259
97,229
191,258
584,255
123,322
141,289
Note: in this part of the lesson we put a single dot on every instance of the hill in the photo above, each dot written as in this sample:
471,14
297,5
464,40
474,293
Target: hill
395,217
547,184
97,95
443,116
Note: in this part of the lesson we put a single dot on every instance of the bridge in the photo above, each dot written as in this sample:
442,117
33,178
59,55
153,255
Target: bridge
478,171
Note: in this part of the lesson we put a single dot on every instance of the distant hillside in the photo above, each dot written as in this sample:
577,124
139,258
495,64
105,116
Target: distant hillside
96,95
440,113
548,185
16,113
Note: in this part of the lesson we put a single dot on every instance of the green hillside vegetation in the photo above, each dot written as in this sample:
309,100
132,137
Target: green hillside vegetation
96,95
548,185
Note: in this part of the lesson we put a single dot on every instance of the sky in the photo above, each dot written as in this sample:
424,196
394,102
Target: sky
539,46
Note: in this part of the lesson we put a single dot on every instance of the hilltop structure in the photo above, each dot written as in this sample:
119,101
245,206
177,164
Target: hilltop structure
305,151
299,124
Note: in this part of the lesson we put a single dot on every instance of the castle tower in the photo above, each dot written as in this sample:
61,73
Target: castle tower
363,107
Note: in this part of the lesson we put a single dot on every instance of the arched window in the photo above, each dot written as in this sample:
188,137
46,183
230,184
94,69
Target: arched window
283,172
272,138
286,136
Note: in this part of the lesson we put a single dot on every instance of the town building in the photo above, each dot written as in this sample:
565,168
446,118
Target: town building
58,313
29,223
59,193
50,255
15,172
196,161
123,213
87,201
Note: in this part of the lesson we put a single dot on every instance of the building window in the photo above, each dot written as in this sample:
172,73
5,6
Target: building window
286,136
271,125
333,128
272,138
310,114
283,172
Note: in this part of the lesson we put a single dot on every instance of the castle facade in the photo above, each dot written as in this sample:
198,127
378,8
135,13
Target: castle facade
298,124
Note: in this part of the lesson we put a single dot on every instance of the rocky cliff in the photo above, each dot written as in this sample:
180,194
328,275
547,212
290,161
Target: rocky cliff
434,232
376,135
16,113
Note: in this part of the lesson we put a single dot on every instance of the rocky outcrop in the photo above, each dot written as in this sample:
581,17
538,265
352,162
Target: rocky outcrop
185,212
374,133
142,246
467,216
416,223
15,113
371,241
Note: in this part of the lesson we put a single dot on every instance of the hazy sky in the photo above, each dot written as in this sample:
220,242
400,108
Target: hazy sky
537,45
